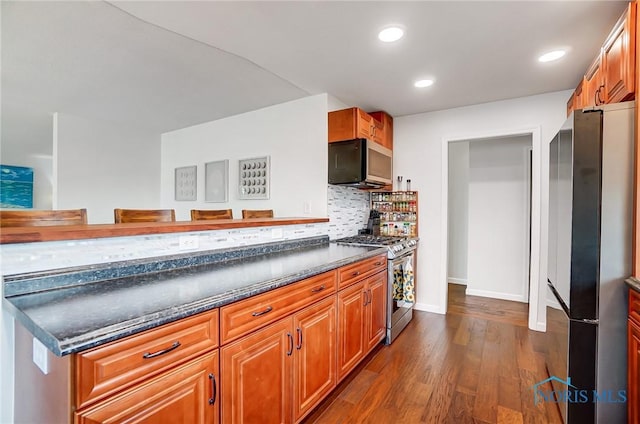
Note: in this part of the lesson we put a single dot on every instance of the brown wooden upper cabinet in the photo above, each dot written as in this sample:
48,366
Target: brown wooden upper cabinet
611,77
347,124
618,59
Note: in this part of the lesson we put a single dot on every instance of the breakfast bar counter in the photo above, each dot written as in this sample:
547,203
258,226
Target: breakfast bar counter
71,310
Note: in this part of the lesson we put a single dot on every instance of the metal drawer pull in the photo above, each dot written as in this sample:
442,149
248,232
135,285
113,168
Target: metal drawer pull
150,355
356,273
378,263
290,338
214,389
365,298
318,289
266,311
299,345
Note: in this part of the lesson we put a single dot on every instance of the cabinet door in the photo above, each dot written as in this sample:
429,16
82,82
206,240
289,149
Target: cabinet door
386,132
314,369
364,124
633,376
351,327
188,394
594,88
376,309
618,59
256,376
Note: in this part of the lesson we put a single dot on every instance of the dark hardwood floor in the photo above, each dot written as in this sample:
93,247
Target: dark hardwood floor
476,364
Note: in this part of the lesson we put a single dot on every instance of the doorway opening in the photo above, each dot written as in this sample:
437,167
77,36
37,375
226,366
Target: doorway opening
492,211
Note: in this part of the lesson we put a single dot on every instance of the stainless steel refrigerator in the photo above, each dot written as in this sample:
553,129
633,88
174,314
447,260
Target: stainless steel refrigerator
590,230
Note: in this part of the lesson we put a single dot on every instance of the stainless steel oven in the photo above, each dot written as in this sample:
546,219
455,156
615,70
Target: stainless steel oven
400,293
401,265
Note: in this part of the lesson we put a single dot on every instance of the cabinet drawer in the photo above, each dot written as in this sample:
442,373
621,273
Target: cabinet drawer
634,306
115,366
349,274
250,314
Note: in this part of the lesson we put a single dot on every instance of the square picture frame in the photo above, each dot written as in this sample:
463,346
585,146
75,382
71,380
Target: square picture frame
216,181
186,183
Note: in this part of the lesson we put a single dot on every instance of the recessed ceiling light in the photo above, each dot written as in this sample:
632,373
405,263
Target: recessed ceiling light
423,83
391,34
551,56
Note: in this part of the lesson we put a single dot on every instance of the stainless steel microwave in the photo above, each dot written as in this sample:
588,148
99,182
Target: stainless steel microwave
360,163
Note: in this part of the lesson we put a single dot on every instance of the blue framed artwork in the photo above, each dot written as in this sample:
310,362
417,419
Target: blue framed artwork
16,187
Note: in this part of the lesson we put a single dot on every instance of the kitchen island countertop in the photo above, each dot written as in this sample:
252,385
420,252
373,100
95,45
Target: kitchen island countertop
73,318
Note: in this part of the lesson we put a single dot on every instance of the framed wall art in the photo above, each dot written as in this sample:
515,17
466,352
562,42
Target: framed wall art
216,181
186,183
16,187
254,178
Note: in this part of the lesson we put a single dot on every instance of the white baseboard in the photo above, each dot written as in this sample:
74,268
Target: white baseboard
540,326
429,308
495,295
461,281
553,302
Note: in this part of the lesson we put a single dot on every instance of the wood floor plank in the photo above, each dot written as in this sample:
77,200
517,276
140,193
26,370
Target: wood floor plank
509,416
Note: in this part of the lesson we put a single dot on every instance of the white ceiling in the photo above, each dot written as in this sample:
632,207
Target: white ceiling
167,65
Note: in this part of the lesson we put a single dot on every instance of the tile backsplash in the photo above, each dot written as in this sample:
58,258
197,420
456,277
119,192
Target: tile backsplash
32,257
348,210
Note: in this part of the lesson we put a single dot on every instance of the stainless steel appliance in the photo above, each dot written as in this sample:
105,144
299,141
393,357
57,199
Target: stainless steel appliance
590,228
401,263
360,163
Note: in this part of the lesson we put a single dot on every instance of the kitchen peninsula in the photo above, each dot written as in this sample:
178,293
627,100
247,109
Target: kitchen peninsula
132,334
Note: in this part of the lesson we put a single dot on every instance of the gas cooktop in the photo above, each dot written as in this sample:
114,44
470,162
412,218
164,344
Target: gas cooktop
396,246
370,240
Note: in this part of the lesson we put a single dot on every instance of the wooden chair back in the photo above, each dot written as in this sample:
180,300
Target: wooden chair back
205,215
31,218
144,215
264,213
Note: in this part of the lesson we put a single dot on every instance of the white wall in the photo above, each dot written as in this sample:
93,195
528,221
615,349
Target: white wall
498,243
102,165
418,155
293,134
458,211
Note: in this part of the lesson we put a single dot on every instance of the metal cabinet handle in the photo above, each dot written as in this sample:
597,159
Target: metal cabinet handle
355,273
378,263
598,99
266,311
365,298
299,345
370,297
214,389
290,339
150,355
318,289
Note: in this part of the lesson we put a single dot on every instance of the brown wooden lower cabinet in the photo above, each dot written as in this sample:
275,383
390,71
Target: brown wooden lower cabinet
315,357
351,328
361,320
278,374
633,379
376,311
186,394
256,376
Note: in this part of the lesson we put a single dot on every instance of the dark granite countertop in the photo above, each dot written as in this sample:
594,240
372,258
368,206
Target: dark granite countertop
73,318
633,284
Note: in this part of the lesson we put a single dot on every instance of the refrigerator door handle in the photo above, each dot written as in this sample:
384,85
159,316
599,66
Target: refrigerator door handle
591,321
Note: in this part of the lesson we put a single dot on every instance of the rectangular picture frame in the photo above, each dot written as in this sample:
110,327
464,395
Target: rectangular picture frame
186,183
216,181
254,177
